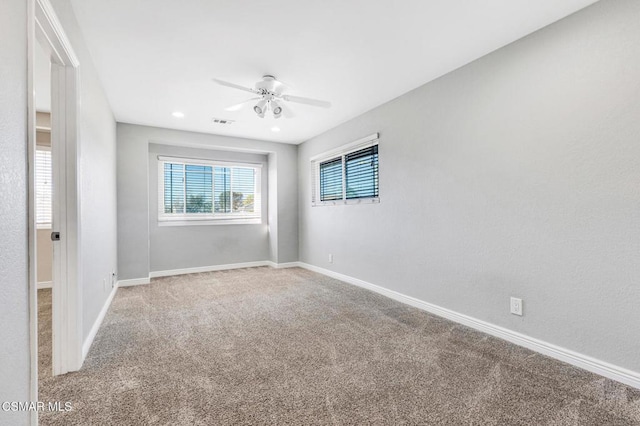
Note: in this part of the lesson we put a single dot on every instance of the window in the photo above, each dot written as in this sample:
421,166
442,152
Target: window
204,190
348,175
331,180
43,187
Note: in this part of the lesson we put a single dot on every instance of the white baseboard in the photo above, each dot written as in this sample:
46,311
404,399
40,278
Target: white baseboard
157,274
45,284
98,322
586,362
284,265
132,282
212,268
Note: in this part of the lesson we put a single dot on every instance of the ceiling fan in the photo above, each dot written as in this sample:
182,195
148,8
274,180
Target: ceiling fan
270,93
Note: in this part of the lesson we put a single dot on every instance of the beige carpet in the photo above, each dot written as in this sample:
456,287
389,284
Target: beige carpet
288,346
44,335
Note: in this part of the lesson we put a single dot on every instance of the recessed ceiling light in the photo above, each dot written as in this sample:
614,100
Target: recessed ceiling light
275,129
178,114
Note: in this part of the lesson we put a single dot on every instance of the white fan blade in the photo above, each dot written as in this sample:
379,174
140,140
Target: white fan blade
279,87
239,106
235,86
286,111
308,101
283,86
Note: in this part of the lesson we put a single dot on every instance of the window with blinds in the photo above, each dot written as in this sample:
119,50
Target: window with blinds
348,175
331,180
205,190
44,188
361,173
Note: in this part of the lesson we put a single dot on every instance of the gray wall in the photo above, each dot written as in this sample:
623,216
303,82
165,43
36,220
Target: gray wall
133,203
178,247
516,175
98,229
272,197
14,297
136,232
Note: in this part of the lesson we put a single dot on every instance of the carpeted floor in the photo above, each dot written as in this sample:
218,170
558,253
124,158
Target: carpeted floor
288,346
44,335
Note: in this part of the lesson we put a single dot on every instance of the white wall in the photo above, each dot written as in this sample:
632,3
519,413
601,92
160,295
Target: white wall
180,247
97,147
136,234
514,175
14,297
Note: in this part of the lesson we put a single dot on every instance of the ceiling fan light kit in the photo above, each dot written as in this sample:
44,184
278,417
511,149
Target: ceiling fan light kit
270,92
261,107
277,109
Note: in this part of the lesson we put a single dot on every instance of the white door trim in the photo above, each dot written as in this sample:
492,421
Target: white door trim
45,28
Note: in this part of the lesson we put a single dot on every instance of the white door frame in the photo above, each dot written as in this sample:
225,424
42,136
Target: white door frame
45,28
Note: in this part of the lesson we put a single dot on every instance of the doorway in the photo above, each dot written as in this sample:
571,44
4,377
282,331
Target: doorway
53,198
44,196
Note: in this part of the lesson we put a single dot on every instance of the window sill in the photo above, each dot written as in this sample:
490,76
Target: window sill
347,202
209,222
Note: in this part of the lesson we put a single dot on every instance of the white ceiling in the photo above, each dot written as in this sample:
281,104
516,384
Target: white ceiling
158,56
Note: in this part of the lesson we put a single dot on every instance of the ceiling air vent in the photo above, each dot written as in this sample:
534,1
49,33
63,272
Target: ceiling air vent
221,121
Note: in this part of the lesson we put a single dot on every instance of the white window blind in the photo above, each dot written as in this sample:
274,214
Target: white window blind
347,175
43,187
208,190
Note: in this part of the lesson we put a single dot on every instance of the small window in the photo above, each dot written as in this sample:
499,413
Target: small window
201,190
43,187
348,175
331,180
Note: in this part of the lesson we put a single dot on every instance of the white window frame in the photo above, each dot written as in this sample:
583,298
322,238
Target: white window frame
188,219
344,150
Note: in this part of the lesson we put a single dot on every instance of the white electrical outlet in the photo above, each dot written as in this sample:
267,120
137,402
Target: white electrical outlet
516,306
330,258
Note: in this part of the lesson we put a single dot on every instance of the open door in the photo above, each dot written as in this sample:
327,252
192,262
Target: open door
66,320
